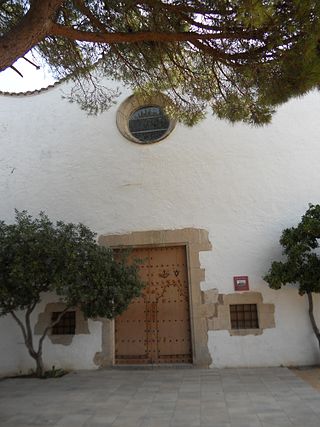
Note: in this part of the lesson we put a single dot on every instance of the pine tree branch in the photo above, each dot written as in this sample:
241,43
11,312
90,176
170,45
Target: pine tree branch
80,5
32,63
137,37
154,36
16,70
32,28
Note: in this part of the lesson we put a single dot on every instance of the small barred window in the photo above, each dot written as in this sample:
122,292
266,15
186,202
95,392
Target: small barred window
244,316
66,325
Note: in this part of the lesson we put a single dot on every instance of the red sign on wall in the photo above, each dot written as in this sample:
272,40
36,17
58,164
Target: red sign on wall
241,283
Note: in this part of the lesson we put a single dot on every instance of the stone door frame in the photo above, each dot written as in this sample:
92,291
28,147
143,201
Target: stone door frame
195,241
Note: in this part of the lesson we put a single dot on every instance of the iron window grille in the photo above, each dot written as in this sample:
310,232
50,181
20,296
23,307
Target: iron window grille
244,316
66,325
148,124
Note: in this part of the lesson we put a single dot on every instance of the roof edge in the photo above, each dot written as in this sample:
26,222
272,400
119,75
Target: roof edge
35,91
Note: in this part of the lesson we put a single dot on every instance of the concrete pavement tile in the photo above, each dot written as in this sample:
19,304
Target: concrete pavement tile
301,409
241,409
73,420
238,388
212,396
304,419
213,405
231,396
186,416
187,398
273,417
160,411
96,421
166,396
127,422
277,424
29,420
265,407
239,423
308,423
283,400
213,423
185,423
155,423
241,420
313,403
215,418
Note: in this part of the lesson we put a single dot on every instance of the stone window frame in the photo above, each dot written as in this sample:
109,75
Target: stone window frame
132,104
217,311
195,241
44,319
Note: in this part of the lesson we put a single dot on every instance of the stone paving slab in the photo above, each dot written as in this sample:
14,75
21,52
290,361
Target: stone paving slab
260,397
310,374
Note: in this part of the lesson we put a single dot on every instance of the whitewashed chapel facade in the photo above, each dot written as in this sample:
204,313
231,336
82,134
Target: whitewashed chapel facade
205,206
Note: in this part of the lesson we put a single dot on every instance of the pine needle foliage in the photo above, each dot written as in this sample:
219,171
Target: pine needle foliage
239,58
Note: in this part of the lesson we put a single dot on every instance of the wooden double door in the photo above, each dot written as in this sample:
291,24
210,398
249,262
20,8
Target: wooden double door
156,326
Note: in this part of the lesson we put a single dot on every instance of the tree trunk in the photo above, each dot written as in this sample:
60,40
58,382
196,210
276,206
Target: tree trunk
40,367
34,26
27,335
312,319
37,356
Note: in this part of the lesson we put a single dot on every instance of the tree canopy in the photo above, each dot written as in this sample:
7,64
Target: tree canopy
302,264
38,256
242,58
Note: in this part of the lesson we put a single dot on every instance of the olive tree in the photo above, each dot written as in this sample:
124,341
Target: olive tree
302,264
38,256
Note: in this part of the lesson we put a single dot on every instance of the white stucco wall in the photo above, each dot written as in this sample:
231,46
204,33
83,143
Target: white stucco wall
14,357
9,348
242,184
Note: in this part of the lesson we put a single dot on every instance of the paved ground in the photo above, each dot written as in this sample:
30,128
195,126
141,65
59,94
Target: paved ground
268,397
311,375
